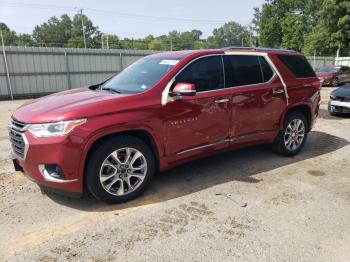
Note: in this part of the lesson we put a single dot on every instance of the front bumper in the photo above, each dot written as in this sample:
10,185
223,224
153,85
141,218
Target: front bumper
63,151
339,107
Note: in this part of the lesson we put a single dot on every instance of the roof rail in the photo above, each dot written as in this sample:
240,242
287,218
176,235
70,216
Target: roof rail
258,49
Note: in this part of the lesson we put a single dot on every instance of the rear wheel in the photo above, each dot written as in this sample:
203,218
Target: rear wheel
119,169
292,138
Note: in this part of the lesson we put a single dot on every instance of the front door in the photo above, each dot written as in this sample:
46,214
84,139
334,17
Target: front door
200,123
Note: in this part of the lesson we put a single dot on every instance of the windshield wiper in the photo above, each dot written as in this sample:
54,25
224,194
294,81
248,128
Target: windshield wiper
110,90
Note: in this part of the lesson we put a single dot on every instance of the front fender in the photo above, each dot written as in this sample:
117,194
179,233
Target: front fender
102,126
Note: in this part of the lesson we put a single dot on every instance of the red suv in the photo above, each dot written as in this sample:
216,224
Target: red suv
164,110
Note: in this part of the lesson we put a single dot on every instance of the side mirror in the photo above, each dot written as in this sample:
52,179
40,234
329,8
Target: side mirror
183,89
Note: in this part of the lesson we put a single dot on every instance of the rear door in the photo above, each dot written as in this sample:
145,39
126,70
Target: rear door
258,97
199,123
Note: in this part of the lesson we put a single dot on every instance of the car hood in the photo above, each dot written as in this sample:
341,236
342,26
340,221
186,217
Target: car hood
324,74
70,104
343,91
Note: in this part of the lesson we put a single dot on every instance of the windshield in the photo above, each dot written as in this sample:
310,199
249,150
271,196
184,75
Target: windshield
328,69
140,76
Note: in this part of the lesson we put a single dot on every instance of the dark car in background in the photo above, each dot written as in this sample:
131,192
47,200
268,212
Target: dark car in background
334,75
339,102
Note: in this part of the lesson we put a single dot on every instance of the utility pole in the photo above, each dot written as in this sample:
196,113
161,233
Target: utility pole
171,45
102,41
6,66
82,26
107,43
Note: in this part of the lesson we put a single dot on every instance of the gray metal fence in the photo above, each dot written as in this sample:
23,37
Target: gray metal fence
345,61
320,61
37,71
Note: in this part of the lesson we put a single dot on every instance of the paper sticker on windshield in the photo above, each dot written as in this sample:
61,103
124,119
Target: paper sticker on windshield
168,62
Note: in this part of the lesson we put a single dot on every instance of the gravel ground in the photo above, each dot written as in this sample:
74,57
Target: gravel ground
297,209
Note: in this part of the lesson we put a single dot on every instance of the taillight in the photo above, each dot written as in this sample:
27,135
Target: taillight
317,85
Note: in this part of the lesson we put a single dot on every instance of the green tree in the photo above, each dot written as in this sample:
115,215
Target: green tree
229,34
160,43
55,32
332,31
275,19
25,40
293,28
10,37
75,42
91,32
114,42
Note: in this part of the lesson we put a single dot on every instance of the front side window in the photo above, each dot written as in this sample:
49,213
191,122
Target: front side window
205,73
140,76
243,70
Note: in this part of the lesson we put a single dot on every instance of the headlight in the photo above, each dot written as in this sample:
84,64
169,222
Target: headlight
332,97
55,129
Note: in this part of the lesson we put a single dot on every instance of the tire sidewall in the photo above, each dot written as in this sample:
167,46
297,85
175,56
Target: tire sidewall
101,152
290,117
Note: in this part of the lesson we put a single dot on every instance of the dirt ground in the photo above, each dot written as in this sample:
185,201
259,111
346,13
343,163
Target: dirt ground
297,208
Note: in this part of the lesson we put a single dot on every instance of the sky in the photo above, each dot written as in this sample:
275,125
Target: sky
132,18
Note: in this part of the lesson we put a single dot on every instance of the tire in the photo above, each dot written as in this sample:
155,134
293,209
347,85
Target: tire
110,174
281,145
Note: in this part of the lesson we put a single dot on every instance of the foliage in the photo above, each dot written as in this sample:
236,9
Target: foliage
9,36
319,27
313,26
55,32
332,29
230,34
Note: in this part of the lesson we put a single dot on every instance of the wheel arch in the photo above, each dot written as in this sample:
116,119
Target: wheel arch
304,109
143,135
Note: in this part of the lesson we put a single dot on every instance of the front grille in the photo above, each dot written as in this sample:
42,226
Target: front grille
342,110
17,138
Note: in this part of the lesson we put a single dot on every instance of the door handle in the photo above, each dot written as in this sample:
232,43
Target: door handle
220,101
277,91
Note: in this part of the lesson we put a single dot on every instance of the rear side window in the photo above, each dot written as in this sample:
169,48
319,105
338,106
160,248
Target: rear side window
206,73
243,70
298,65
266,69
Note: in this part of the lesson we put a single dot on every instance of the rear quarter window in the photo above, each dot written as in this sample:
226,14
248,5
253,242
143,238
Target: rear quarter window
298,65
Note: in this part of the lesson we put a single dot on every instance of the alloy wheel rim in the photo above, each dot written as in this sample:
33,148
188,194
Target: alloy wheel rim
123,171
294,134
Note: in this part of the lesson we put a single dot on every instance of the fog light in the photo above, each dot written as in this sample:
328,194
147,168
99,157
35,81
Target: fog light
53,173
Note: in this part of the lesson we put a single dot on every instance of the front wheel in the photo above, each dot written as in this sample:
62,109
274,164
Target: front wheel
119,169
291,139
